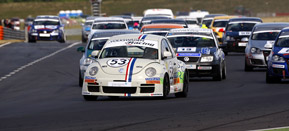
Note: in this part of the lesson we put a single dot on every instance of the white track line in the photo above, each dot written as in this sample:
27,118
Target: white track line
5,44
36,61
277,128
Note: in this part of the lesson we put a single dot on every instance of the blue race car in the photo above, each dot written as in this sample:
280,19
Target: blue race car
46,28
278,60
238,31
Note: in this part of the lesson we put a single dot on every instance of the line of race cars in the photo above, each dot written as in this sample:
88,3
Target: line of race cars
157,55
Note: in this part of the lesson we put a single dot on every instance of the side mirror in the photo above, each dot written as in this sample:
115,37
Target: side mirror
268,46
94,53
80,49
167,54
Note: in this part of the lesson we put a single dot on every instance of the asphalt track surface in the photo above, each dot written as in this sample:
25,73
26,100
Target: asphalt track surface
45,96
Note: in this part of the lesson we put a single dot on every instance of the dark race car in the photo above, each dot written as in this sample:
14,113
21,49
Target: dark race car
237,33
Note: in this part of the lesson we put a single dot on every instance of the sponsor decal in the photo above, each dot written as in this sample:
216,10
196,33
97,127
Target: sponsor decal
86,93
278,66
205,51
127,94
156,94
189,54
133,42
117,62
89,79
121,70
186,49
155,80
284,51
121,84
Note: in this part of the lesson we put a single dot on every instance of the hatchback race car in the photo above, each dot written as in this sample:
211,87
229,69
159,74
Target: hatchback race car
47,28
278,60
86,27
260,44
198,48
96,42
237,33
135,65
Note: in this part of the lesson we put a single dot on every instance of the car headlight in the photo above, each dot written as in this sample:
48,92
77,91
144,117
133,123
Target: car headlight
56,31
150,72
277,58
228,38
87,61
255,50
93,71
207,59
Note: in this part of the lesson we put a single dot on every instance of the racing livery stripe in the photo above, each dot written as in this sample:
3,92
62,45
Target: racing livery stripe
127,69
127,94
139,36
131,69
143,37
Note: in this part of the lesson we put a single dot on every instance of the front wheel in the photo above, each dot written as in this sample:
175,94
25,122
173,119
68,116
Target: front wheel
218,76
80,79
247,67
224,71
184,93
166,86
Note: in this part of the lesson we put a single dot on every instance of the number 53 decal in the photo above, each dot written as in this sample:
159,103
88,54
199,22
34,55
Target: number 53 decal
117,62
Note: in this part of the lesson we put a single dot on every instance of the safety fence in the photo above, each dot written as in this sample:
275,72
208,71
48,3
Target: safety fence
8,33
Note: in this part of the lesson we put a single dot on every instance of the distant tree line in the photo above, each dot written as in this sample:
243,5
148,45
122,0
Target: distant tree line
9,1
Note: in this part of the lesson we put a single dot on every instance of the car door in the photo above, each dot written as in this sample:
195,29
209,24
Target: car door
170,62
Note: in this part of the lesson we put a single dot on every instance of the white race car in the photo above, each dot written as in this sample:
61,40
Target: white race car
135,65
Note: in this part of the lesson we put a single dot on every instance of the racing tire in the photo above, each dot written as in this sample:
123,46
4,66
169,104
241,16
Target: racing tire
80,80
63,39
166,86
271,79
219,75
247,67
224,71
185,91
90,98
226,52
31,40
84,40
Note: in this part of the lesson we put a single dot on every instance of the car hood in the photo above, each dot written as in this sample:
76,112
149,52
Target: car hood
194,51
261,43
52,27
283,51
124,66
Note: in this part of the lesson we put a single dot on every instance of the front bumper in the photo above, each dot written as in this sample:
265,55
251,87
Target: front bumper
203,69
45,36
112,86
234,46
257,60
279,70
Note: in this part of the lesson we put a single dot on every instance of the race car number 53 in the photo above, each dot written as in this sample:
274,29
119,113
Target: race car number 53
117,62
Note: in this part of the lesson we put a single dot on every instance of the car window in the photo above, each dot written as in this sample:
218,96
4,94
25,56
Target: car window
109,26
165,47
265,36
46,23
240,27
188,41
130,52
220,23
96,44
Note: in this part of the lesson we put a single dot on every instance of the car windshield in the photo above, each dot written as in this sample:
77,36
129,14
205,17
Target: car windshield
265,36
240,26
283,42
157,33
220,23
109,26
191,22
207,22
88,23
188,41
46,22
96,44
130,52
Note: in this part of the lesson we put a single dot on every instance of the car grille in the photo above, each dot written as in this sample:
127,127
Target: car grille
147,88
109,89
47,31
191,59
93,87
256,62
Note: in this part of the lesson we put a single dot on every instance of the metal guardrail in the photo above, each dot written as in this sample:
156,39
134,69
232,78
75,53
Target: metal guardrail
9,34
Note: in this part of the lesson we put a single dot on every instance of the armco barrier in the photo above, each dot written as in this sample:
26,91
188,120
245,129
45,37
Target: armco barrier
8,33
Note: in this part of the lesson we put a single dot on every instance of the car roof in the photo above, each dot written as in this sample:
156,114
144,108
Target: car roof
226,17
135,37
191,30
109,33
245,19
91,17
47,17
163,26
270,26
108,19
213,15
